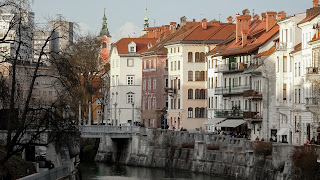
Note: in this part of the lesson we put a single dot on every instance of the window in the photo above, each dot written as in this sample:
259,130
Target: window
175,65
284,92
190,57
295,96
104,45
178,103
150,64
295,69
167,83
130,97
190,76
178,65
299,69
197,76
202,57
154,102
131,49
154,83
149,102
144,64
197,56
190,93
216,102
179,84
190,112
149,83
129,62
144,84
299,95
171,66
154,64
166,63
284,63
130,80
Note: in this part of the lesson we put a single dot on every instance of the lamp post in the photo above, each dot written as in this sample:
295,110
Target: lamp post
115,109
132,103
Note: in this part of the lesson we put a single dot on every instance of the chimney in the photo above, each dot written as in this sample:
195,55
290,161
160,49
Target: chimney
204,24
173,27
271,18
282,15
214,22
315,3
183,21
230,19
263,16
194,20
244,37
242,24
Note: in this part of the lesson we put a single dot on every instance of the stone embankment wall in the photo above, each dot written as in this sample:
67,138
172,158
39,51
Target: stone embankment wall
207,153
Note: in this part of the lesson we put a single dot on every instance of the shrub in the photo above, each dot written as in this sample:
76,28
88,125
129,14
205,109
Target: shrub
188,145
305,160
261,148
213,147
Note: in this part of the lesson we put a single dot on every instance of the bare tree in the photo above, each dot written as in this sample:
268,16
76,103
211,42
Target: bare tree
30,118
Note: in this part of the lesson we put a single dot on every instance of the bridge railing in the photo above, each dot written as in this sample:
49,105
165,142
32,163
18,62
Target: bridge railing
109,129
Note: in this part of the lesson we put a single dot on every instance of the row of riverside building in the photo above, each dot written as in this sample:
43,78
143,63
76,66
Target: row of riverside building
253,74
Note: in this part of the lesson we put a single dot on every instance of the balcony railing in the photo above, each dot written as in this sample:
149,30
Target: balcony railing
312,101
252,115
281,46
252,94
233,66
228,113
312,70
231,90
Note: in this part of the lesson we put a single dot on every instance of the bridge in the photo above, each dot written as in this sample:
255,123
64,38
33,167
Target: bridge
98,131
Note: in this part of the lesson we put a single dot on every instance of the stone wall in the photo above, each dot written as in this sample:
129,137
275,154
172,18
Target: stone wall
208,153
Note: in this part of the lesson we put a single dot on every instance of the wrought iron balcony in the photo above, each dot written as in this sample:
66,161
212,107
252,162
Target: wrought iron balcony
252,116
231,67
252,94
236,90
281,46
312,101
313,73
228,113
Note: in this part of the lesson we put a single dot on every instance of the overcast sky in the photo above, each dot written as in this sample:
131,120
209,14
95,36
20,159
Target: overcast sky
125,17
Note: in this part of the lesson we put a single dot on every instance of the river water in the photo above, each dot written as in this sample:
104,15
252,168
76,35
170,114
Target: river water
100,171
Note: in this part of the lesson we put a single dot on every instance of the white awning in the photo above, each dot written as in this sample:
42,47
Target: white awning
283,131
213,121
231,123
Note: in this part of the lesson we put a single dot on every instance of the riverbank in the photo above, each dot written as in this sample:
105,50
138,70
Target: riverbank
234,158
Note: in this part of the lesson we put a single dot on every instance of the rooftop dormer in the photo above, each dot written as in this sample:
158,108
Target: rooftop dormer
132,47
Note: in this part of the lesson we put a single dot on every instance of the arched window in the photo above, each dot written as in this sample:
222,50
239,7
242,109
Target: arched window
202,94
197,112
190,75
197,76
197,94
197,57
190,57
190,112
190,93
202,76
202,57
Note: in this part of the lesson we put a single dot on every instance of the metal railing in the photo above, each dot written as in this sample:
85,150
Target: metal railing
233,66
231,90
109,129
251,115
312,70
281,46
312,101
227,113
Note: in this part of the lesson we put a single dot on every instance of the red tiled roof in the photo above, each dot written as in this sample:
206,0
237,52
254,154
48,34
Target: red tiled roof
142,44
253,43
307,19
267,53
213,33
297,48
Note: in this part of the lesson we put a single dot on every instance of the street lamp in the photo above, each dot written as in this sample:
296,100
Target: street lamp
115,109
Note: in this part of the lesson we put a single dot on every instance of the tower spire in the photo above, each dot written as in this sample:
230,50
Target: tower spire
104,30
146,22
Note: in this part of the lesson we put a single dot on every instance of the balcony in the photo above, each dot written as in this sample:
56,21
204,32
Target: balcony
229,113
252,94
231,67
237,90
171,91
313,104
252,116
281,46
313,73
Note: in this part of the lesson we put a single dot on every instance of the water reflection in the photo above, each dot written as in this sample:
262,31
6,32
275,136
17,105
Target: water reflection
100,171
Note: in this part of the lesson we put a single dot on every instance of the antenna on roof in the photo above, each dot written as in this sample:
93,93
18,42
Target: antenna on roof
154,23
253,12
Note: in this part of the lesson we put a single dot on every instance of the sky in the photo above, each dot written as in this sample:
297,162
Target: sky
125,17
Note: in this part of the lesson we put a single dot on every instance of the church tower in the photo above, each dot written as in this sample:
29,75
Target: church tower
105,39
145,24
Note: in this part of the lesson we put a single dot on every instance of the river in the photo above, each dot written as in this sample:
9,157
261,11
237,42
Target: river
100,171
